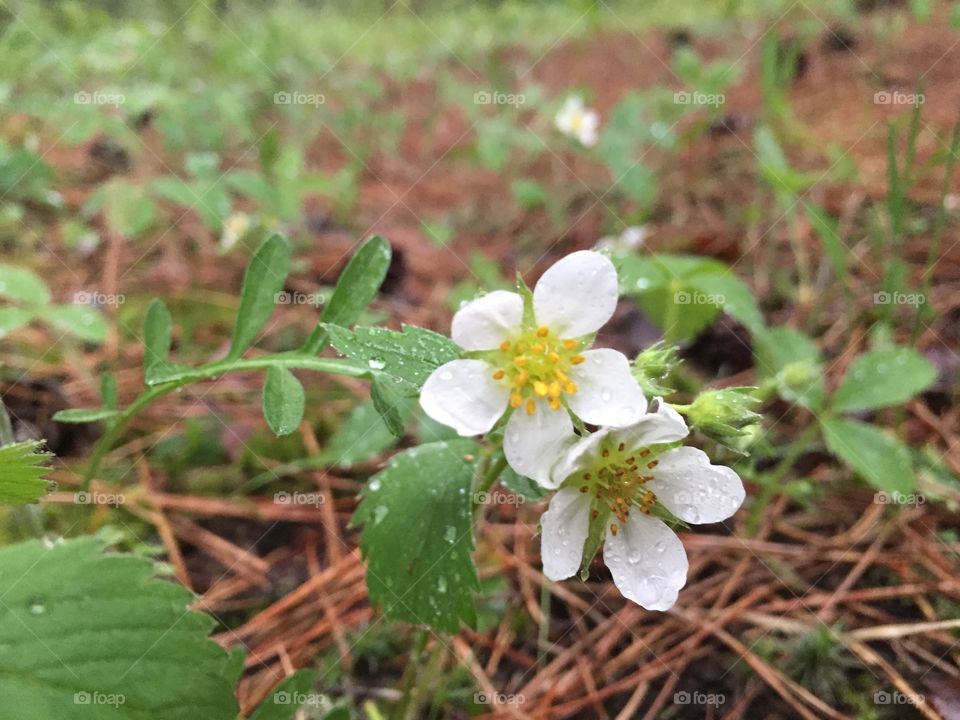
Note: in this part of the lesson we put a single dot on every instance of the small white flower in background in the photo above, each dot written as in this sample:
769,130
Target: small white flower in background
535,361
618,477
630,240
234,228
578,122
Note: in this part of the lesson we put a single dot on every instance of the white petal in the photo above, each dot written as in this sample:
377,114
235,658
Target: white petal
577,295
663,426
565,526
575,456
647,560
607,394
484,323
464,395
588,129
693,489
533,443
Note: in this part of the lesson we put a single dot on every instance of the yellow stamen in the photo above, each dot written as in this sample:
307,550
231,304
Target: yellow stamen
555,403
553,357
521,379
516,400
570,387
499,375
537,348
561,376
577,359
521,360
505,346
543,331
569,344
531,407
540,388
613,528
554,390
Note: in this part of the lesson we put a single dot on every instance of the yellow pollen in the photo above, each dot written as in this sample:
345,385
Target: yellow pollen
537,348
561,376
570,387
555,403
505,346
577,359
540,388
613,528
499,375
516,400
553,357
543,331
521,379
531,407
570,344
520,360
554,390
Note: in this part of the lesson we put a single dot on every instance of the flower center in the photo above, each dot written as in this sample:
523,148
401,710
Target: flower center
617,480
536,365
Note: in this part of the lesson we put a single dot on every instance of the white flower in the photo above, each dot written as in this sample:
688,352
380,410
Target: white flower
234,228
619,477
535,362
576,121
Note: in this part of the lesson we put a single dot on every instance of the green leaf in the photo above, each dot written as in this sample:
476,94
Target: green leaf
283,400
76,416
410,355
157,335
81,321
734,297
357,286
23,286
98,636
880,459
264,278
22,467
668,289
361,436
390,399
418,536
288,697
13,318
883,377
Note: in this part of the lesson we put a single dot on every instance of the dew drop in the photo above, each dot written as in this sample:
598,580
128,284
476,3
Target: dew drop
450,534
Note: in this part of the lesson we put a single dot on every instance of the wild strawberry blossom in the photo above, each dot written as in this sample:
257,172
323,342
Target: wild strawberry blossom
531,358
617,481
578,122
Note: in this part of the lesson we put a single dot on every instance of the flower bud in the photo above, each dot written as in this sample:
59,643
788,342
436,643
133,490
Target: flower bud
724,414
653,365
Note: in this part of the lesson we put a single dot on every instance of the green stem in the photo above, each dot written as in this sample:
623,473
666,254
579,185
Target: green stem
771,486
208,372
405,710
